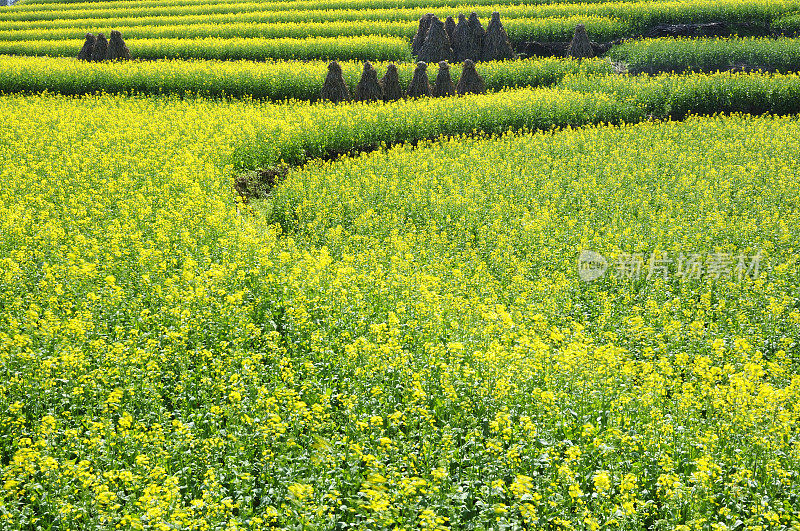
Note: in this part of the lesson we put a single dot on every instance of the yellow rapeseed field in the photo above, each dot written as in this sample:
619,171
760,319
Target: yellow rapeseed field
547,307
395,340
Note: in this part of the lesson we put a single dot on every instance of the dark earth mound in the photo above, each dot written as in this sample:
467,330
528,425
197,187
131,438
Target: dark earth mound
256,184
559,48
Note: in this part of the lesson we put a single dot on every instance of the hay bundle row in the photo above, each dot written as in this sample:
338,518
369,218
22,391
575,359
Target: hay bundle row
370,88
100,49
437,41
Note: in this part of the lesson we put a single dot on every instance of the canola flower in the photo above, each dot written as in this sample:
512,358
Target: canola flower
393,339
396,339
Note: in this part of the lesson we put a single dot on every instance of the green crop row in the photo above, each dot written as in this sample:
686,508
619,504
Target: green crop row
69,5
662,96
789,24
105,9
519,29
579,99
708,55
66,6
641,15
78,5
10,28
295,30
676,96
270,80
358,48
350,127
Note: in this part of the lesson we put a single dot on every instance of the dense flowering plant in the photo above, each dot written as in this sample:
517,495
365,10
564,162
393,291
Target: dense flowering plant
397,339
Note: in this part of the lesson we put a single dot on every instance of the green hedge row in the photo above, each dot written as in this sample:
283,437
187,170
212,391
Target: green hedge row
269,80
579,100
708,55
518,29
358,48
639,15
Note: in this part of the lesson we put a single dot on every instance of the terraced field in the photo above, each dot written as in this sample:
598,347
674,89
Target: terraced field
568,300
178,29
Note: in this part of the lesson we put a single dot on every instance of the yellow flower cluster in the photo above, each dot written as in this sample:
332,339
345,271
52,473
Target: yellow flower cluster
396,339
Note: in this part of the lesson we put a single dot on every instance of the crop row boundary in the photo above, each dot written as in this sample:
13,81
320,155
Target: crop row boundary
276,81
579,100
